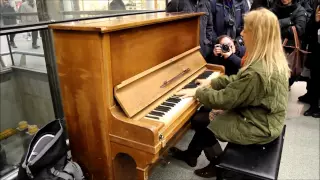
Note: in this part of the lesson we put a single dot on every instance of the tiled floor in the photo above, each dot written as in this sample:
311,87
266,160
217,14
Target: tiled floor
300,156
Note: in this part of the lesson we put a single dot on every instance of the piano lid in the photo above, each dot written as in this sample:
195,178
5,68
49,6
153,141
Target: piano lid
138,92
105,25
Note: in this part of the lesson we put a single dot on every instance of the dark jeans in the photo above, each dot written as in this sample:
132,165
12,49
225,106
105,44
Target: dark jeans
313,84
203,138
11,38
34,35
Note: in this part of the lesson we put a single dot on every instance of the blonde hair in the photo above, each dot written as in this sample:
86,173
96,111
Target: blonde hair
264,28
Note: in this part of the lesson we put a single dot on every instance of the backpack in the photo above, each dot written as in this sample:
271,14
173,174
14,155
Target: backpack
48,156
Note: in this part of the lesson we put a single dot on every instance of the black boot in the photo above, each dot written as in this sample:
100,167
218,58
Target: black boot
207,172
212,154
13,45
313,110
183,156
305,98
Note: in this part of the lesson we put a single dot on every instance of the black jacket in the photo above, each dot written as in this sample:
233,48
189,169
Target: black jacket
6,13
293,15
206,28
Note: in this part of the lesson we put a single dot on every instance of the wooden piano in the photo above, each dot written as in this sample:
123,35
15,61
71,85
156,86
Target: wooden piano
118,77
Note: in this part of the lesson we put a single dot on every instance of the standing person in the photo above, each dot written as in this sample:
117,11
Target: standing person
206,29
254,101
9,19
29,6
262,4
117,5
290,13
314,86
227,17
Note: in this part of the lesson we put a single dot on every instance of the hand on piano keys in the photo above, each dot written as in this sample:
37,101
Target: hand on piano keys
165,111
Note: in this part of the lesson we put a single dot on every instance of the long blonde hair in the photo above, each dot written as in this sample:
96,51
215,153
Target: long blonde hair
266,46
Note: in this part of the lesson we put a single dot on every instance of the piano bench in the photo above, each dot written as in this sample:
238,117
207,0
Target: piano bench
254,162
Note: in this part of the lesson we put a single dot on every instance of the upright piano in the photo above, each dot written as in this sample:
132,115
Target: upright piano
118,77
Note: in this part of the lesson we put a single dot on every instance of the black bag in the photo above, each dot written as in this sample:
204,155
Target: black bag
48,156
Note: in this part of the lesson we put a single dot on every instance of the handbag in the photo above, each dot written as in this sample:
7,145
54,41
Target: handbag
297,57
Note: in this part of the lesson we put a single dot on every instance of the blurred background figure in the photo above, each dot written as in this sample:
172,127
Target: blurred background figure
29,6
9,18
206,27
313,95
117,5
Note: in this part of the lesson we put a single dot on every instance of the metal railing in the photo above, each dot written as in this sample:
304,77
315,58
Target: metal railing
23,61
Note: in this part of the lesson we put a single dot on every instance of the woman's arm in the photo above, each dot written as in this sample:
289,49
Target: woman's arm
239,93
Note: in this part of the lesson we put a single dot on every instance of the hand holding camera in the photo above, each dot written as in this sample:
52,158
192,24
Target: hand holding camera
223,50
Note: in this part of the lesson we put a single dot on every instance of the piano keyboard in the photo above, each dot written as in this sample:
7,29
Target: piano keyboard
166,111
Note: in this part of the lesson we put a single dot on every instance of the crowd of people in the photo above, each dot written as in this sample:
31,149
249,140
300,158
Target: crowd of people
249,104
223,23
10,18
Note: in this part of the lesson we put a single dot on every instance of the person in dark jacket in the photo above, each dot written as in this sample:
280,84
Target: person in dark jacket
261,4
206,29
227,17
117,5
9,19
313,94
290,13
231,60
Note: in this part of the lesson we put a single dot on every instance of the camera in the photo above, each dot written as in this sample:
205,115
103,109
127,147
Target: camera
224,47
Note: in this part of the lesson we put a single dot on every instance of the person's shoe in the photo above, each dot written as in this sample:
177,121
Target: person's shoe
207,172
183,156
311,111
316,114
305,98
34,46
13,45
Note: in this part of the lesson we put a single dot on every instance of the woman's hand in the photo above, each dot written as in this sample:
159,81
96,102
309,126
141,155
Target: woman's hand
318,14
217,51
184,93
203,82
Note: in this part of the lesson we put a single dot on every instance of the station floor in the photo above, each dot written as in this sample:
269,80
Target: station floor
300,156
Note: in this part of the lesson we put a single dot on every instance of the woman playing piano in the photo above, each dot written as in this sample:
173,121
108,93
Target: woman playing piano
254,101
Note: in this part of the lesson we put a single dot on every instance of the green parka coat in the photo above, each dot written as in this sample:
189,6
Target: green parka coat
255,106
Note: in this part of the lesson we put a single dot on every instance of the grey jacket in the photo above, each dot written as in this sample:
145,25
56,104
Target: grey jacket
26,8
206,27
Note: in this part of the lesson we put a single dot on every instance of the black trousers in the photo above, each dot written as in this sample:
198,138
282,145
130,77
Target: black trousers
203,137
313,84
11,38
34,35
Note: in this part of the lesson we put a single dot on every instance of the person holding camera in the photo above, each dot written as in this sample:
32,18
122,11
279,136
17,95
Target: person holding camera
228,54
227,17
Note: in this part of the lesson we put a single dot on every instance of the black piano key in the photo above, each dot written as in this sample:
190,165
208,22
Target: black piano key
174,100
204,75
164,107
168,104
156,113
152,117
161,110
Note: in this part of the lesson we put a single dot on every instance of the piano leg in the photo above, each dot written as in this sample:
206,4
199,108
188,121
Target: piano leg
142,174
129,163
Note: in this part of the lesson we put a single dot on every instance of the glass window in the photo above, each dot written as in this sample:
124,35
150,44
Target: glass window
26,103
21,12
